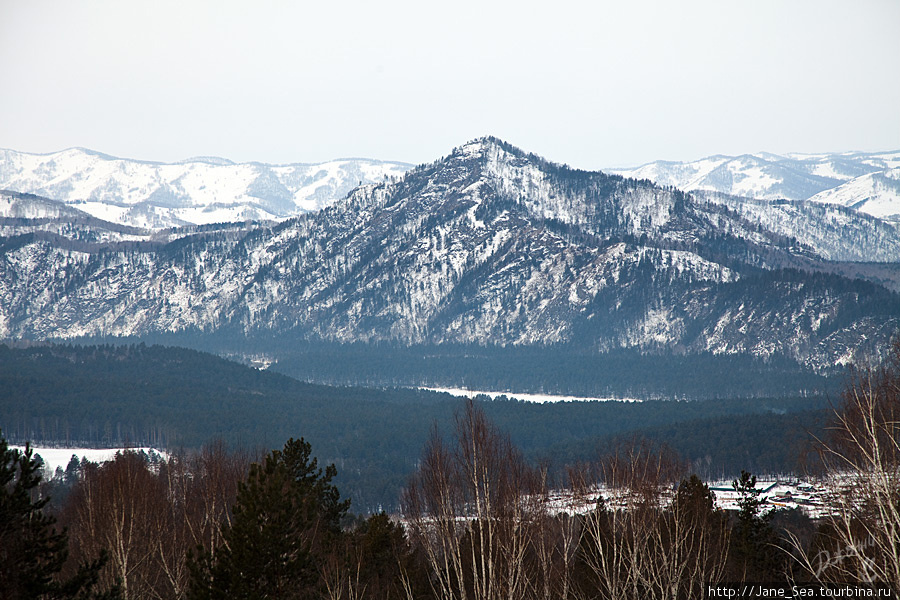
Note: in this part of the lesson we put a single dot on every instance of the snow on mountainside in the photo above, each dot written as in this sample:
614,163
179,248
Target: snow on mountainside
192,192
14,205
867,182
490,246
831,231
24,214
877,194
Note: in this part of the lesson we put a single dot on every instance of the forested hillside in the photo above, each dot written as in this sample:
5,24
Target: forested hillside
173,398
489,246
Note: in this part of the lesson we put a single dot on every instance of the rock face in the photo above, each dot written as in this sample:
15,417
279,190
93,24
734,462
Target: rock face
489,245
197,191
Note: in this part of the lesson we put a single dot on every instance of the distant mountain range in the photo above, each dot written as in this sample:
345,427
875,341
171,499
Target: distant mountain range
202,191
196,191
868,182
490,246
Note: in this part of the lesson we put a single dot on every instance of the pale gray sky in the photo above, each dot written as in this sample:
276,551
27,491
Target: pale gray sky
591,83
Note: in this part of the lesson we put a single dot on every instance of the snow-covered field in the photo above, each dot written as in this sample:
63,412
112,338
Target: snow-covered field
462,393
60,457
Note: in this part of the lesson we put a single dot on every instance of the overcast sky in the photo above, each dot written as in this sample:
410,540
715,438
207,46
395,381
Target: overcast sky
593,84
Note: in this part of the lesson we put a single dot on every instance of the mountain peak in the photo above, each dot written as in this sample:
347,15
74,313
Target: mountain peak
477,146
488,142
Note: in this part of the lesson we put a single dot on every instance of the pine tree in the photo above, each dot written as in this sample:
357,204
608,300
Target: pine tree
753,538
32,550
286,518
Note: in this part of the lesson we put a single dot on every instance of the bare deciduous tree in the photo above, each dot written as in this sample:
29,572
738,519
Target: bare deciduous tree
474,509
862,458
215,475
150,517
119,507
560,533
643,540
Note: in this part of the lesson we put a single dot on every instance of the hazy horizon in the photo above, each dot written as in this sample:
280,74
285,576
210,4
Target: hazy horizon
200,158
595,85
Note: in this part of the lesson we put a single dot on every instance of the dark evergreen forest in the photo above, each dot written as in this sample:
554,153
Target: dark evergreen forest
174,398
555,369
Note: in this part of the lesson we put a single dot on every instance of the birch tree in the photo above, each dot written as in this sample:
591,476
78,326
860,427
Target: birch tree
475,511
860,539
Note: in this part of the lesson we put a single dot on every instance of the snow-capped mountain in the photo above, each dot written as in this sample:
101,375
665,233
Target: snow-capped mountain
192,192
867,182
490,246
876,194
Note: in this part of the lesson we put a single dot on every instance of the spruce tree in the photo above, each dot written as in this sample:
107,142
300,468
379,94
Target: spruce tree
286,519
753,539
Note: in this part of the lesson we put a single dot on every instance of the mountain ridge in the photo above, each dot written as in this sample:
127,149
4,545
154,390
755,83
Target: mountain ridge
195,191
488,245
827,178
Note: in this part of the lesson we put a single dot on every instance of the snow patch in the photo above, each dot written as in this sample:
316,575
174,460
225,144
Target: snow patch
525,397
59,457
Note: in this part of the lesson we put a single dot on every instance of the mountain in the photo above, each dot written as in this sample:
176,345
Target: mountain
196,191
831,231
865,181
25,218
876,194
489,246
29,214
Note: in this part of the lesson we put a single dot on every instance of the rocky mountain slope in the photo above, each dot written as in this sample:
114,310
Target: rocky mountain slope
492,246
197,191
